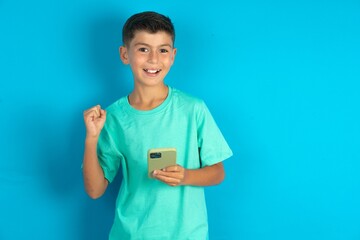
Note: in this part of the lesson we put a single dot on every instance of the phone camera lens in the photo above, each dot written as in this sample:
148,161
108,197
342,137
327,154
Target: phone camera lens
155,155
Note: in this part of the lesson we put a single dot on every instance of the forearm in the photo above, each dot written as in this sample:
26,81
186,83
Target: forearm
207,176
94,180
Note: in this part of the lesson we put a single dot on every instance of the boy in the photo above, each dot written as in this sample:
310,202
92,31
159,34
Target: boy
171,205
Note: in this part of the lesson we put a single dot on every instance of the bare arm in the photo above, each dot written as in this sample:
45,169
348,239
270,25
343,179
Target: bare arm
177,175
94,180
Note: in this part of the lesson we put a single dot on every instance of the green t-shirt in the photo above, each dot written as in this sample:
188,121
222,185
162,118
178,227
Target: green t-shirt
146,208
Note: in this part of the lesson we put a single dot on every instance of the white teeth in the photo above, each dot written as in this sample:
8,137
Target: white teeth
152,71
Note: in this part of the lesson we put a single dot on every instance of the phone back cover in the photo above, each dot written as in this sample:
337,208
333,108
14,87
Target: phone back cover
168,158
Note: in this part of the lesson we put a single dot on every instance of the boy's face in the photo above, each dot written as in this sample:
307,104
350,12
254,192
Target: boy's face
150,56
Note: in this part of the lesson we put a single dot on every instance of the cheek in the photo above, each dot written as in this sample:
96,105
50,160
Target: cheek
168,61
137,60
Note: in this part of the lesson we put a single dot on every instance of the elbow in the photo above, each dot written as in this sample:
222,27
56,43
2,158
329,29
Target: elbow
221,177
96,190
94,195
220,174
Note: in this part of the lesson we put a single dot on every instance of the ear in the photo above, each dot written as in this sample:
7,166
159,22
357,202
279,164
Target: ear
173,55
124,56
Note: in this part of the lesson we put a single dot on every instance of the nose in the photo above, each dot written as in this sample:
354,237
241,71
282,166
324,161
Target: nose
153,57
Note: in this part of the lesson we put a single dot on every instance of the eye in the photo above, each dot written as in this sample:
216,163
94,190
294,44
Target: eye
163,50
143,49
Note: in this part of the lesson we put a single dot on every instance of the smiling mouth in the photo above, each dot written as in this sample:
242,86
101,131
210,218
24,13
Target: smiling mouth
152,71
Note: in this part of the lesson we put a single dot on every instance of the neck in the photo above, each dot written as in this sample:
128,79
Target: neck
148,98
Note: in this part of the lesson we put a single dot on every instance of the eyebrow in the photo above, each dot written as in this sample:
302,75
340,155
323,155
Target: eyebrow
148,45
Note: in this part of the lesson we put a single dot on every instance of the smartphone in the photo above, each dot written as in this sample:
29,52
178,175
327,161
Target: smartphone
159,158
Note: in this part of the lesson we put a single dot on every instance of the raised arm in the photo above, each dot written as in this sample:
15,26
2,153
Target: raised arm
94,180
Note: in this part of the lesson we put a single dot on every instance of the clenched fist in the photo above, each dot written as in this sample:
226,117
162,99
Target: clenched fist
94,119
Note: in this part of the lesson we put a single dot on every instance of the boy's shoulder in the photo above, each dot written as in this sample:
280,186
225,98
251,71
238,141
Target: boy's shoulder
117,106
181,98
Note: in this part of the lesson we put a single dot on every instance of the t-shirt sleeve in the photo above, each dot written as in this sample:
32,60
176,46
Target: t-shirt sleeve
213,147
108,154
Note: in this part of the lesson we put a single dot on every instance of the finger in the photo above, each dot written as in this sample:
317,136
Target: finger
97,110
102,113
92,113
168,174
94,108
174,168
168,180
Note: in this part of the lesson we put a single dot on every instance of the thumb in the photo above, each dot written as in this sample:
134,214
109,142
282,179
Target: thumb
102,113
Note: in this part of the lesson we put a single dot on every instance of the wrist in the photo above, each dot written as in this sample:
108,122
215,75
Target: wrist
187,177
90,140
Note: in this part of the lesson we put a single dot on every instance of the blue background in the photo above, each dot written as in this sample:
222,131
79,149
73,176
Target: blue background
280,77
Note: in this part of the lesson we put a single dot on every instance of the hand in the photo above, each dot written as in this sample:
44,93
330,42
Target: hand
172,176
94,119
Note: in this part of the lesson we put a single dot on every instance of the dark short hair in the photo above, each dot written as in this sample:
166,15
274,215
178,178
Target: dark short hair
151,22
